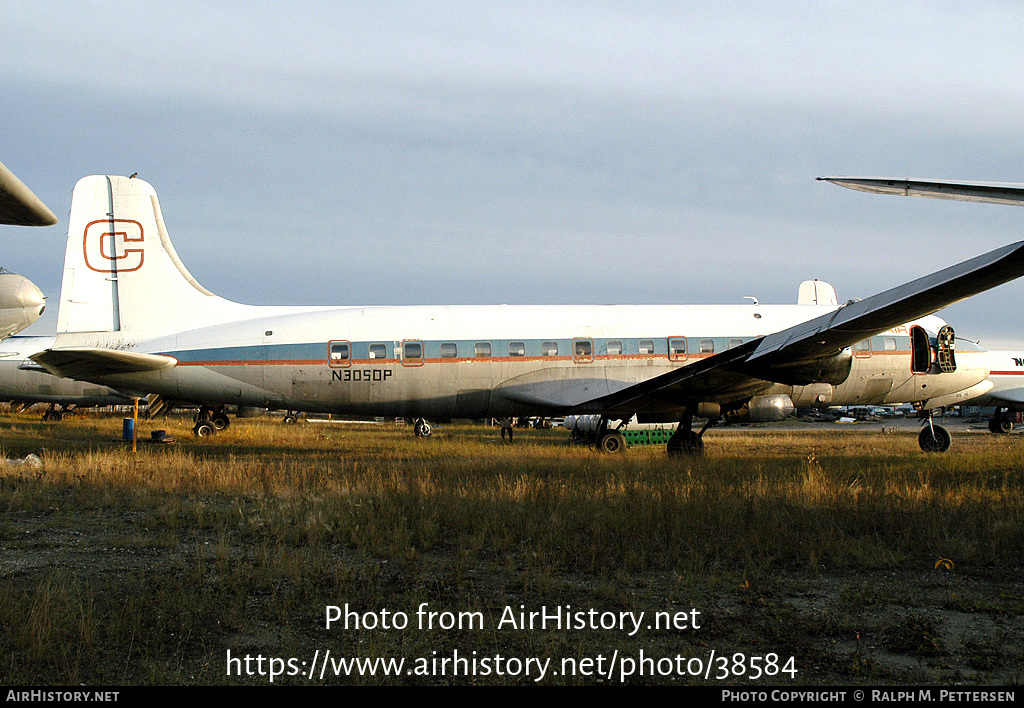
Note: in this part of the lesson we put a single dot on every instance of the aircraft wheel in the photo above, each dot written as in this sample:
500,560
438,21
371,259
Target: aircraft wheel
291,419
691,446
934,439
52,416
421,429
204,429
612,442
221,421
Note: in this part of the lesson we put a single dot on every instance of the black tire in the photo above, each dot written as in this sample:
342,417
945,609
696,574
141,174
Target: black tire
934,438
291,419
204,429
612,442
692,446
52,416
221,421
422,429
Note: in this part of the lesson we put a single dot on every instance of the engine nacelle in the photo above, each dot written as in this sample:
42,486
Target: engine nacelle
582,423
763,409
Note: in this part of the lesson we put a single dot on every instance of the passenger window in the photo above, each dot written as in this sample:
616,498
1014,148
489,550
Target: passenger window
614,347
733,343
646,346
582,351
378,351
549,348
707,346
412,350
482,350
677,348
889,343
862,348
516,349
339,352
449,350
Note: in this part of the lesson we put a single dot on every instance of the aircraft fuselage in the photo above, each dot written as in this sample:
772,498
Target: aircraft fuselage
484,361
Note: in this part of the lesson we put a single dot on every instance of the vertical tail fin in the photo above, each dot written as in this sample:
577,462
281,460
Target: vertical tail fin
121,273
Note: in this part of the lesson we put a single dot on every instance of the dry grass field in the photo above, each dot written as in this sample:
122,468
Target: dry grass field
850,557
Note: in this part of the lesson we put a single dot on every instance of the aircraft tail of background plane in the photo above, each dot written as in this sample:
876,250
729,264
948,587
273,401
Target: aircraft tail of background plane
122,275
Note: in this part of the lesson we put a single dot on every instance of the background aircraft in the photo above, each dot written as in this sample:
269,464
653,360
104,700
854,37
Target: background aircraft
1007,392
21,302
132,317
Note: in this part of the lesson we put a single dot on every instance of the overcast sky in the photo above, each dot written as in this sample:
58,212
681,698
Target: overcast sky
340,153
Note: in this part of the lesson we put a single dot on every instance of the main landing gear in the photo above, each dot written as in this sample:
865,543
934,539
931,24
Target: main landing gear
601,439
686,443
208,422
611,441
683,443
52,415
421,428
1000,421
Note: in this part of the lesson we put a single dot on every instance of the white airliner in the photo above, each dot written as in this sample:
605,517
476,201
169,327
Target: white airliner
132,317
21,302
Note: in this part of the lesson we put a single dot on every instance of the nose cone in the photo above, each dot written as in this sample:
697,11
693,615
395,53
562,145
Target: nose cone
31,298
21,303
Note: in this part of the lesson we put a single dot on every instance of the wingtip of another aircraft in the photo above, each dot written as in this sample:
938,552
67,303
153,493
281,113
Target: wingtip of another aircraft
19,206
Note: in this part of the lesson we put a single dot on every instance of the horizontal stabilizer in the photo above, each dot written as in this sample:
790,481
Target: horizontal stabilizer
990,192
859,319
92,362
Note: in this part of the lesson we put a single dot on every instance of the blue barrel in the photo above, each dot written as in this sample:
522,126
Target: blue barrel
128,429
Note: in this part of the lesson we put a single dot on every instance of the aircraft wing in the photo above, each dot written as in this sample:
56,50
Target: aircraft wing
859,319
738,372
990,192
18,205
1012,395
721,377
91,362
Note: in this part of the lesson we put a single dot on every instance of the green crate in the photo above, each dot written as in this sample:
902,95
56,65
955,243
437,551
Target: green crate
655,436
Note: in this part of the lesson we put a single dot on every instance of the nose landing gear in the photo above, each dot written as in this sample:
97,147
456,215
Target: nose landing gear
934,438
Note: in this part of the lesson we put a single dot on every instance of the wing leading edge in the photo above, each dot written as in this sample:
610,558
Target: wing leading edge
988,192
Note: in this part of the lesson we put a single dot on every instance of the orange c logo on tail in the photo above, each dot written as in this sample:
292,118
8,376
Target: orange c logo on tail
104,246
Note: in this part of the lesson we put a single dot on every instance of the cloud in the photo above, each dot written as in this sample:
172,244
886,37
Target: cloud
524,152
